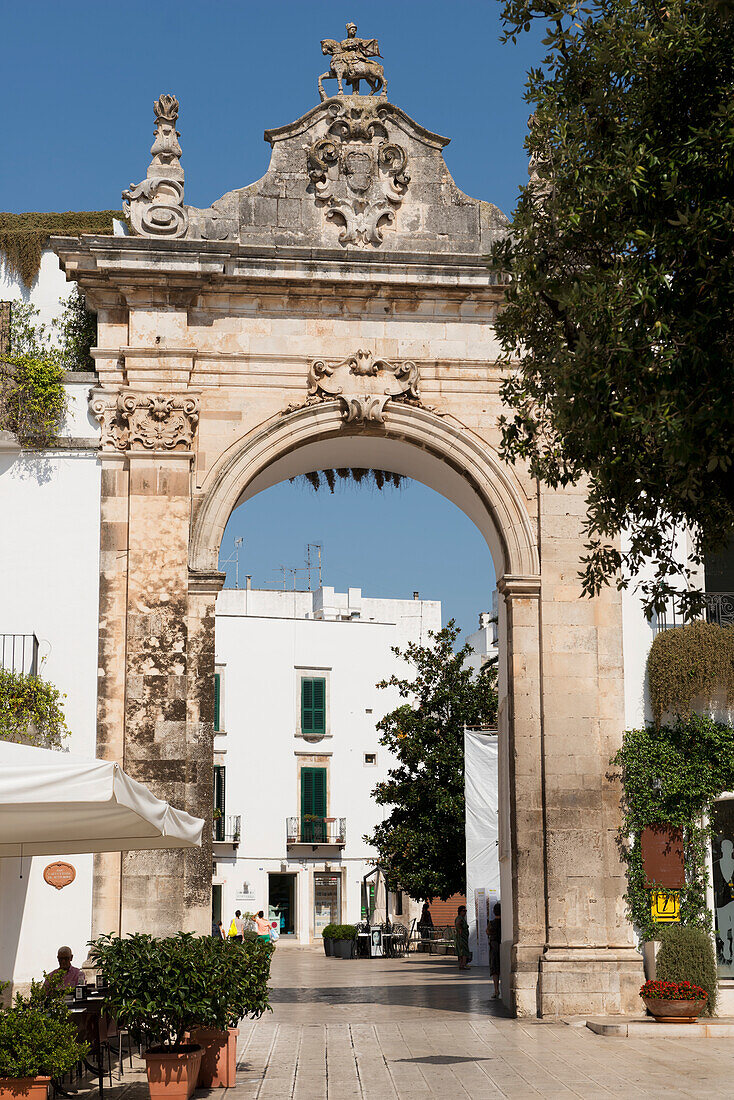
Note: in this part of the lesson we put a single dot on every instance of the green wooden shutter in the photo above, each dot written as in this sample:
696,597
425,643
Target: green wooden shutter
313,803
313,705
219,800
319,708
217,697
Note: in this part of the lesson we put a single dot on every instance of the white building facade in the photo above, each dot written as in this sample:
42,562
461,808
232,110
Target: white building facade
297,754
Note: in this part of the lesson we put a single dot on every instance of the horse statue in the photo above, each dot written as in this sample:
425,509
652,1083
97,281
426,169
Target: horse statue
351,61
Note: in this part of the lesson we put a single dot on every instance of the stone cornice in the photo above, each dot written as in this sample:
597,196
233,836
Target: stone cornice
131,261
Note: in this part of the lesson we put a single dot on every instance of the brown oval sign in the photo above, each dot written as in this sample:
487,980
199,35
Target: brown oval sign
59,874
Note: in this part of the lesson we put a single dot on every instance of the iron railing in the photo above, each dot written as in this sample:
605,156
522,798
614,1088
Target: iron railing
718,608
19,653
227,829
316,830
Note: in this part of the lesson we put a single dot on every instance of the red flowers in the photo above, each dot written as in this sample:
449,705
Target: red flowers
673,991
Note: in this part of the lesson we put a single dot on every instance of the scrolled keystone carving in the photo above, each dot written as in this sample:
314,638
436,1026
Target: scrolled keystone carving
363,384
155,206
143,421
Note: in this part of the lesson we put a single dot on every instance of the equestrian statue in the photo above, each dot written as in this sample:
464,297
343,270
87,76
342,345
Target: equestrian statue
351,61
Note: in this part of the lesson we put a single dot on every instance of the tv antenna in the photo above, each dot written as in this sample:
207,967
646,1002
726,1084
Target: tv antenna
235,557
313,561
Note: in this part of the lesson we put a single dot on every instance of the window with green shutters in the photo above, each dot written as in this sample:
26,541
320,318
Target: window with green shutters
219,801
217,698
313,705
313,804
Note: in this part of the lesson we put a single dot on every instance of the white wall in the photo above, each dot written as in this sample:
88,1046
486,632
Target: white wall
259,654
48,287
49,585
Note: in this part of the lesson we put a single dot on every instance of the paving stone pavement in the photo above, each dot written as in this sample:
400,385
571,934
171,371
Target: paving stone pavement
401,1029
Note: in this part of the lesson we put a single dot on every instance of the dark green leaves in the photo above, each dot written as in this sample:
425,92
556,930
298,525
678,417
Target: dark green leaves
620,306
421,843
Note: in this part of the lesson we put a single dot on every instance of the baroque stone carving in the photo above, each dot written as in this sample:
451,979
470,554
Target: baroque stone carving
363,384
352,61
150,422
155,206
358,174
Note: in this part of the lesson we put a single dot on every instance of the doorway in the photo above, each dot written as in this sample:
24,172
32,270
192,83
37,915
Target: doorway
216,903
282,902
326,901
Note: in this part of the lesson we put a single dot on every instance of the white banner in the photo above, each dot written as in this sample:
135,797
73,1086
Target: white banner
482,832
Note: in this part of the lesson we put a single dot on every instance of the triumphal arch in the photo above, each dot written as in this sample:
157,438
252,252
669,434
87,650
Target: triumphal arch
339,313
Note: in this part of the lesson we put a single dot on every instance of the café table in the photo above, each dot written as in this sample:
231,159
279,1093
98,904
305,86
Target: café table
96,1027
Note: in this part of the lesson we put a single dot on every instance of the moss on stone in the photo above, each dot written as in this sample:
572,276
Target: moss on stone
23,237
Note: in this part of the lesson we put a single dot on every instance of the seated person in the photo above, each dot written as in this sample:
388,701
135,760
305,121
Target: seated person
71,976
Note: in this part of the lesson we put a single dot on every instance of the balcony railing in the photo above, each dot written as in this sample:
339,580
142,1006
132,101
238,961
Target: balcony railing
319,830
718,608
227,830
19,653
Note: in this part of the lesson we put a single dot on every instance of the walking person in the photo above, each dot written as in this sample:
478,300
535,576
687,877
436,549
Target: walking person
237,928
425,924
494,935
263,927
461,928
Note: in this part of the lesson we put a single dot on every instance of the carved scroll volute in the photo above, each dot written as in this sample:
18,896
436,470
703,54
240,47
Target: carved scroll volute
358,174
363,385
143,421
155,206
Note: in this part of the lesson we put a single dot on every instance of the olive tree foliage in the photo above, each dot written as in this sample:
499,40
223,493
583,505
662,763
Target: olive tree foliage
620,318
421,843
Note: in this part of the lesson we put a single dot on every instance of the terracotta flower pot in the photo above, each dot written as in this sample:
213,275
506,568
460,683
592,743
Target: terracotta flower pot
218,1068
172,1074
24,1088
674,1012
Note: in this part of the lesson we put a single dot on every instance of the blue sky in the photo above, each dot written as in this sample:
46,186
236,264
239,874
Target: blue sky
79,80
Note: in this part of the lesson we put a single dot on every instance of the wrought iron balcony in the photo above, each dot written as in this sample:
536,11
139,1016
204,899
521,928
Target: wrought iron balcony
19,653
226,829
316,830
718,608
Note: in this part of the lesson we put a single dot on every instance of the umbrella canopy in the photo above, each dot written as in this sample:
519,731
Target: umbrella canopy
53,803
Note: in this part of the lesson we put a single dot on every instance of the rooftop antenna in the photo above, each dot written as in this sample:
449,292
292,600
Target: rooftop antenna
235,557
313,562
288,569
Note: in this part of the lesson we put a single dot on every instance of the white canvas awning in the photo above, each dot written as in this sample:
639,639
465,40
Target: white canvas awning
53,803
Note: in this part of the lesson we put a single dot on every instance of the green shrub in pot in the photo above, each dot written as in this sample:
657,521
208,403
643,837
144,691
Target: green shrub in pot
344,932
37,1036
686,954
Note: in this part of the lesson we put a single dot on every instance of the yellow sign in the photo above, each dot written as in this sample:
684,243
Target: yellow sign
665,908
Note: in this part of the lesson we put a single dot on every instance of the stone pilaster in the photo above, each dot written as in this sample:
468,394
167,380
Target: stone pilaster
524,750
590,963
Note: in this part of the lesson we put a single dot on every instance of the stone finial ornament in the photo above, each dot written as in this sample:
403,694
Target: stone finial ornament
352,61
155,206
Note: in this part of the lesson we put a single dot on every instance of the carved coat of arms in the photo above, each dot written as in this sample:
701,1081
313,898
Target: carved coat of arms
359,176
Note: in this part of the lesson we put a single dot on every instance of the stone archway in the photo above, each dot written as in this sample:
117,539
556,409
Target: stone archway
296,320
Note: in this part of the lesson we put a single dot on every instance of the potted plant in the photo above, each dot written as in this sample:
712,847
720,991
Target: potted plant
686,954
38,1041
156,989
674,1002
237,979
328,938
343,936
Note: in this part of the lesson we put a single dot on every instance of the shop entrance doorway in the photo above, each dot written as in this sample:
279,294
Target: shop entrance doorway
327,902
282,902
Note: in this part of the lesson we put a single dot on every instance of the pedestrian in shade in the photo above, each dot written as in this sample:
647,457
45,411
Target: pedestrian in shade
461,928
425,924
494,935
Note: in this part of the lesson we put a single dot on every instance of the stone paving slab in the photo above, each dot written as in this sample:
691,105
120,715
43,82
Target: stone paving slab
410,1030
